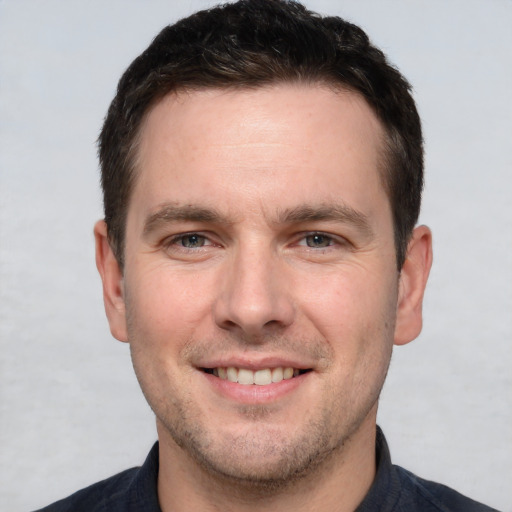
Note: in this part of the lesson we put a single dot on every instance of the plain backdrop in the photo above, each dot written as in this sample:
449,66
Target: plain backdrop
71,411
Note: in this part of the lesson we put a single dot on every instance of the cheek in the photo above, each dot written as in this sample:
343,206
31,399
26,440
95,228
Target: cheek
165,308
351,305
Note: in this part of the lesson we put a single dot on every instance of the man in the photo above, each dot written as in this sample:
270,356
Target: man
262,171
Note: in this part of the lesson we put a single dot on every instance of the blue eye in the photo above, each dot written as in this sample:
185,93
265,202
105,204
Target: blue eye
318,241
192,241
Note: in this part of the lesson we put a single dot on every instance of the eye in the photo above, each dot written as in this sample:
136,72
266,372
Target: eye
190,241
317,241
191,246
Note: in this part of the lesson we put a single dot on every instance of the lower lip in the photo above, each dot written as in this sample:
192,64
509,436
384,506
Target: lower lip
252,393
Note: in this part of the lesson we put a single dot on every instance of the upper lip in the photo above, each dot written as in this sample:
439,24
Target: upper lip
254,363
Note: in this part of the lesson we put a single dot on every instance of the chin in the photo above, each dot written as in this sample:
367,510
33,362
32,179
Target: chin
261,456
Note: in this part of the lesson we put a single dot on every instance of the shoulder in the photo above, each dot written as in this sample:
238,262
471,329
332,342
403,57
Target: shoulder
133,490
420,494
395,489
95,497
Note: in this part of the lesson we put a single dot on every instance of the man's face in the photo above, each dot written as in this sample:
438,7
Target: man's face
259,244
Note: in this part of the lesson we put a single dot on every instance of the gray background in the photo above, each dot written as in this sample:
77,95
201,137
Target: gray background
71,410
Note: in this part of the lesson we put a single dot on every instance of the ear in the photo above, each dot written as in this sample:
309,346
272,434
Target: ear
413,279
112,279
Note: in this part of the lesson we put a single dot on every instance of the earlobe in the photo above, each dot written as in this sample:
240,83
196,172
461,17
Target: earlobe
413,279
112,279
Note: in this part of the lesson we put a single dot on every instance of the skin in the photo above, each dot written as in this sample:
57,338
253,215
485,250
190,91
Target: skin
259,235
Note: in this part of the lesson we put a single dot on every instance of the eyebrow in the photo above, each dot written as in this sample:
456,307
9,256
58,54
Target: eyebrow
326,212
301,214
185,213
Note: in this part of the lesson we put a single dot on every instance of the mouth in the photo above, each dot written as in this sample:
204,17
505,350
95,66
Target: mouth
262,377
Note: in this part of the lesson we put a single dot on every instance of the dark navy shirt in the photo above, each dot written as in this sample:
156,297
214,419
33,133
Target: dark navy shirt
393,490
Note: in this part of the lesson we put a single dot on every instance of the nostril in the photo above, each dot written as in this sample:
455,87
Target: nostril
273,323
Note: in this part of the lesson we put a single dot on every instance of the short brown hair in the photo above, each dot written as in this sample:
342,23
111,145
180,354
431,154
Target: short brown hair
252,43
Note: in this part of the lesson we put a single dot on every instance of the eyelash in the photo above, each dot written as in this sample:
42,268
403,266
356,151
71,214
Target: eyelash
324,237
174,241
302,241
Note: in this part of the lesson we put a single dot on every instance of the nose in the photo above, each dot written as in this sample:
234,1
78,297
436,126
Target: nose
254,299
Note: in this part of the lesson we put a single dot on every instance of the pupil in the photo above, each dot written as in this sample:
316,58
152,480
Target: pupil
317,241
192,241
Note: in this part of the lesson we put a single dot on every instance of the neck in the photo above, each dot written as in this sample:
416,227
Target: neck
339,483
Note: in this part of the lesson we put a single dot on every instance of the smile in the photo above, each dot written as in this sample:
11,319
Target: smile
261,377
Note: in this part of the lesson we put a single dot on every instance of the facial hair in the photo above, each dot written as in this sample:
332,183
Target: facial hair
263,458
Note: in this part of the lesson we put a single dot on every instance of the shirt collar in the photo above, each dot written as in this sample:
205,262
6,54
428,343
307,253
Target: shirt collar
142,495
386,488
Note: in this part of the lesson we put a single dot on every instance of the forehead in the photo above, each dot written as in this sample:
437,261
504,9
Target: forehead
279,145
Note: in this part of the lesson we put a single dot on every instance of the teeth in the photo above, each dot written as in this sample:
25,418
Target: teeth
277,375
245,376
262,377
232,374
259,377
287,373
